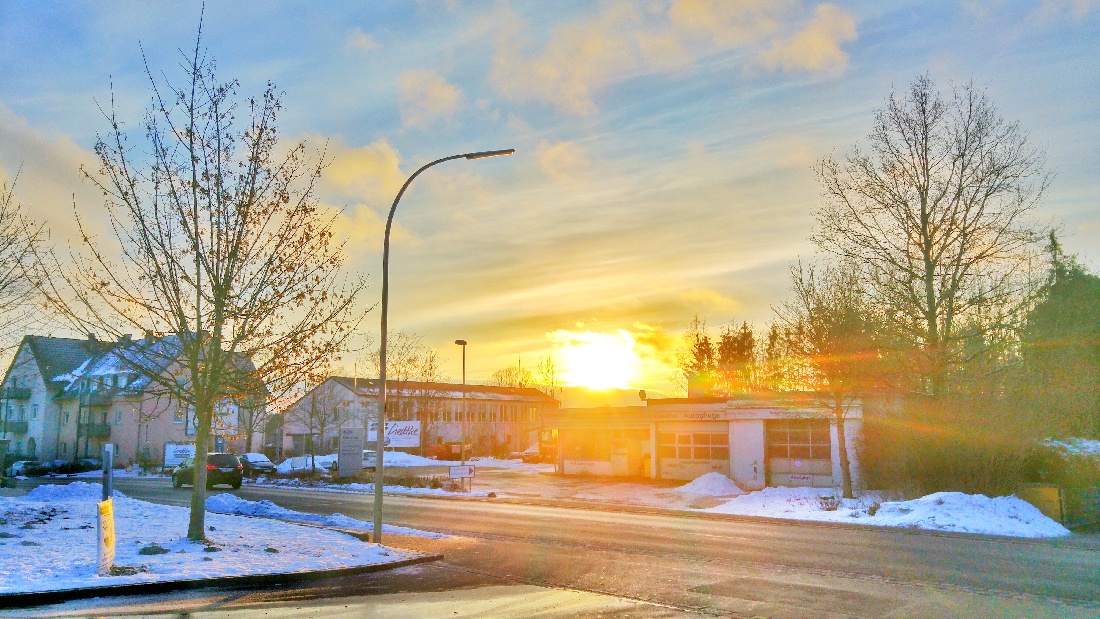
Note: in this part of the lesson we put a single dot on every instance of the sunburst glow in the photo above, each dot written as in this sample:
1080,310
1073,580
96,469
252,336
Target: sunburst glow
597,360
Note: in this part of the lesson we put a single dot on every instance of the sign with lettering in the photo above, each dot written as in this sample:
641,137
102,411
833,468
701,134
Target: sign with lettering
398,433
462,472
105,550
350,459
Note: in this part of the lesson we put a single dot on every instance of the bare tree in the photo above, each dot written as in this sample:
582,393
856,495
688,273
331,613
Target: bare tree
222,246
415,366
546,377
829,324
320,413
934,213
20,239
512,376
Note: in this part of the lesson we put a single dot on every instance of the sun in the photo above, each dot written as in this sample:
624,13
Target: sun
596,360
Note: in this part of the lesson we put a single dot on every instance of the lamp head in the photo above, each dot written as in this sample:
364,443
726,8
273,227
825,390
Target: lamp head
460,342
490,153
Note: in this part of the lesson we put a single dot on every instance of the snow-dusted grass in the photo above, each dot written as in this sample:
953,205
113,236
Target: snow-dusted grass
48,542
942,511
1075,446
511,465
226,503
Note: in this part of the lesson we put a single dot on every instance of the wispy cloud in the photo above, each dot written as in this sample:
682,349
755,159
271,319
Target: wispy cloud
361,41
426,98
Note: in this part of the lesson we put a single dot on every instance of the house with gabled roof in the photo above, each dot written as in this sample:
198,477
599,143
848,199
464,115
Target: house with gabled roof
102,393
498,418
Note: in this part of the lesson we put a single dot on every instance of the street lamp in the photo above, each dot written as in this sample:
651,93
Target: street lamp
462,343
380,434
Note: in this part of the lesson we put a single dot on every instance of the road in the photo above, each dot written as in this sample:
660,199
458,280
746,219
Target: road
506,556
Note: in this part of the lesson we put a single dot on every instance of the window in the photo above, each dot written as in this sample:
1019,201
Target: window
66,418
799,439
118,417
691,446
22,413
64,448
34,411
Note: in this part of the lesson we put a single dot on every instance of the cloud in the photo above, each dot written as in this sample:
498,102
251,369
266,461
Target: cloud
45,169
361,41
427,97
817,47
563,161
584,57
369,173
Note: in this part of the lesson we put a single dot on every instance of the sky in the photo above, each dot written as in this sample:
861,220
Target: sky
664,149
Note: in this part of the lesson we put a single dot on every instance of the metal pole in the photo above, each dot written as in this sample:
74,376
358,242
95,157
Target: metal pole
380,434
462,343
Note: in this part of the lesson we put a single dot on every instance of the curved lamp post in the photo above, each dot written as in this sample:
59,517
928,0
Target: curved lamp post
380,434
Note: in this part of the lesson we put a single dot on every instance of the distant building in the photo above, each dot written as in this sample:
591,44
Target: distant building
498,418
64,399
787,439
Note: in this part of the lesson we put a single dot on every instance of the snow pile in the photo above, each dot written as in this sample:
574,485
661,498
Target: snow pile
305,463
48,542
75,491
712,484
1076,446
942,511
226,503
390,459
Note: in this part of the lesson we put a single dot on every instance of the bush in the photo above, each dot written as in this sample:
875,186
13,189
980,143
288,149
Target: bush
965,444
1057,463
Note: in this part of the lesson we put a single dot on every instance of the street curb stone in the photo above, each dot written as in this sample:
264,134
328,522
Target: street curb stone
41,598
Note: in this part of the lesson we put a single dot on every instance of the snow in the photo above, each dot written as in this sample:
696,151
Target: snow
390,459
48,542
941,511
1076,446
226,503
712,484
515,465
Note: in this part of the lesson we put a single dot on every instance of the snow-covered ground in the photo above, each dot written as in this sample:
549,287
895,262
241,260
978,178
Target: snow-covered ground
48,542
942,511
227,503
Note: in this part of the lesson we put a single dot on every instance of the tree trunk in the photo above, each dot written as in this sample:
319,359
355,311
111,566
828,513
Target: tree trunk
842,447
196,526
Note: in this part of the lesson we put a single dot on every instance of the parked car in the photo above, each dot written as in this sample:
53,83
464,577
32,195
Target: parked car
221,468
20,467
254,464
448,451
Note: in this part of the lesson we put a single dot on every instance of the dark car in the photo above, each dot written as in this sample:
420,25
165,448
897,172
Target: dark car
220,469
256,464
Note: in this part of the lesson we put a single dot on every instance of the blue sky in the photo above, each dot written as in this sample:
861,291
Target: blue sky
664,148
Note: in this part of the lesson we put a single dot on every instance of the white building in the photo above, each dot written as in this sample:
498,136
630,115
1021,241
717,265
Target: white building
498,418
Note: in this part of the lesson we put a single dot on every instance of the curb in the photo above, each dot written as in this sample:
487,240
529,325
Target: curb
41,598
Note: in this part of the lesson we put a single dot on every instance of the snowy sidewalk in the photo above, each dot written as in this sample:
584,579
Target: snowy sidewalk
48,545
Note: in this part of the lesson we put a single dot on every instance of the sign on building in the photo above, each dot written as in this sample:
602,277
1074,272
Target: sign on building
350,459
398,433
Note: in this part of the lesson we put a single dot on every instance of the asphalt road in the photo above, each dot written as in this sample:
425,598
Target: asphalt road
517,559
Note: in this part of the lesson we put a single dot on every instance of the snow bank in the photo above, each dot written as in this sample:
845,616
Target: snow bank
390,459
942,511
75,491
226,503
712,484
1076,446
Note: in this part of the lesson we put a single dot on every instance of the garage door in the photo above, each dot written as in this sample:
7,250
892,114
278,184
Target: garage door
799,453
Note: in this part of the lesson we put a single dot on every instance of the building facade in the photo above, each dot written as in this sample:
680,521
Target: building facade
68,398
497,418
757,441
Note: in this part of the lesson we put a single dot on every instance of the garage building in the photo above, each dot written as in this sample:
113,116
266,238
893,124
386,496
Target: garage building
757,440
